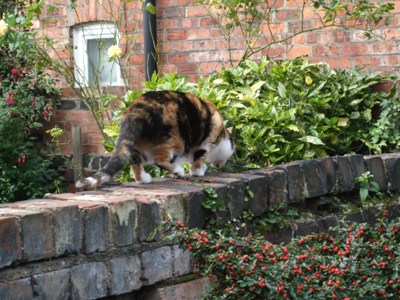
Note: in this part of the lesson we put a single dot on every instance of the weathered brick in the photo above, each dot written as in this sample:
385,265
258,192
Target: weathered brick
66,222
358,164
67,230
277,189
37,236
356,217
157,265
255,191
392,166
125,275
195,212
89,281
345,174
315,178
170,201
96,234
52,285
305,228
325,224
148,218
375,166
36,232
394,212
329,169
123,210
235,193
193,289
222,192
182,261
370,215
279,236
124,213
10,241
94,217
296,181
19,289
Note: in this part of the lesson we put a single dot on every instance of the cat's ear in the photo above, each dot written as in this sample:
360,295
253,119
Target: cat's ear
230,129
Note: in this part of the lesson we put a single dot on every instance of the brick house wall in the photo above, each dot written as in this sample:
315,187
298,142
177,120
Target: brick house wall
190,44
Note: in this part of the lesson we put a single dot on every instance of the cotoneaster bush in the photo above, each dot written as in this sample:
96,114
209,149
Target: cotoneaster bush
27,98
357,262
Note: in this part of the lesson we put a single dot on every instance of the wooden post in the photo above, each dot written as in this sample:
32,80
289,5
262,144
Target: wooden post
77,161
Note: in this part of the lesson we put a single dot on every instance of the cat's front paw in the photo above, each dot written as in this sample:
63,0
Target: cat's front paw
199,171
179,171
145,178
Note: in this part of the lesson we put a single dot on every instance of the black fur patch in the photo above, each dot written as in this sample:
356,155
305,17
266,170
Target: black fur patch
199,153
173,159
115,164
193,124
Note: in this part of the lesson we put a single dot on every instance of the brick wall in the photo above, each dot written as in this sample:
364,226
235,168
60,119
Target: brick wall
190,44
92,245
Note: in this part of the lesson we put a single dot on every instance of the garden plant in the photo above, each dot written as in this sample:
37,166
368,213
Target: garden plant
353,262
291,110
28,97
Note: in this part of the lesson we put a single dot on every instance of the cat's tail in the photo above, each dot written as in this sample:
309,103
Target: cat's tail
115,164
130,132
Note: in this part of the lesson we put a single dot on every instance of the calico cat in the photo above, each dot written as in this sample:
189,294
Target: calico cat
167,128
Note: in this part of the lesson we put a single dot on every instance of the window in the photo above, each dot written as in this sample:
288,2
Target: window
92,65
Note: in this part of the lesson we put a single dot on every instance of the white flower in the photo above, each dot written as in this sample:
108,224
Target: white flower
3,28
114,51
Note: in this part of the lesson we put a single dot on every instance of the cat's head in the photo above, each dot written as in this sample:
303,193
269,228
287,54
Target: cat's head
222,151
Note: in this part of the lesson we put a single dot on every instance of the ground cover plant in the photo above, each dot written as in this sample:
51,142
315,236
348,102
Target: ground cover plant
27,99
356,262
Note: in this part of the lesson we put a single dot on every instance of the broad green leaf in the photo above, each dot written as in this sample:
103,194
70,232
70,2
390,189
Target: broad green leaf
356,102
255,87
363,194
342,122
293,127
312,140
281,90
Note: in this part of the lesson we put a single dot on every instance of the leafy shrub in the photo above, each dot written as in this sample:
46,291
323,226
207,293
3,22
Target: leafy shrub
295,110
292,110
359,262
27,97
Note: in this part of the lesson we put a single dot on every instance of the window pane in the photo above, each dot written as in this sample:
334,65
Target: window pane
100,69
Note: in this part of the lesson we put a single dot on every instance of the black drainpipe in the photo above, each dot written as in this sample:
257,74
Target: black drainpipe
150,40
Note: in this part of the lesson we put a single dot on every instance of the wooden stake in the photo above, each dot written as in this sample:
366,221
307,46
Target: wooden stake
77,160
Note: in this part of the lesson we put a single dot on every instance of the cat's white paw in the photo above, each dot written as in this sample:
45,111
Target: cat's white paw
145,178
179,171
88,182
198,172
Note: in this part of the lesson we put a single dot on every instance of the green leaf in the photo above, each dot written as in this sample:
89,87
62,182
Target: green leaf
312,140
293,127
151,8
255,87
363,194
343,122
281,90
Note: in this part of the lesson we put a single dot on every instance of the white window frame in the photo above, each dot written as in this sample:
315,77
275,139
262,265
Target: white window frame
81,35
